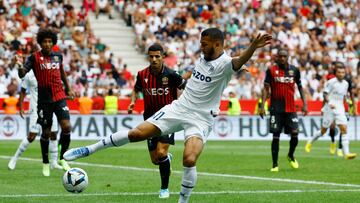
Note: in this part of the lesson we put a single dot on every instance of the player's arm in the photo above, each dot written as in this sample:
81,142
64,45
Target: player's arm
21,101
65,81
24,68
302,94
260,41
265,93
135,93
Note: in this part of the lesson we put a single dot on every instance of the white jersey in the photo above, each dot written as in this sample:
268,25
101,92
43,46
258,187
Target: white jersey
29,81
204,88
336,90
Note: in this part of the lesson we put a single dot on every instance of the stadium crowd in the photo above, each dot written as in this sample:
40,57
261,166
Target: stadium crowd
317,33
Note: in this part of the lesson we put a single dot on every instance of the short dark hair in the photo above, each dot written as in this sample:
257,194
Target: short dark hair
156,47
339,65
214,34
46,33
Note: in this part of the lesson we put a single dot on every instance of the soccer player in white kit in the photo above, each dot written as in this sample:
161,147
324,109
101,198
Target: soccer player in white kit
193,112
335,92
29,81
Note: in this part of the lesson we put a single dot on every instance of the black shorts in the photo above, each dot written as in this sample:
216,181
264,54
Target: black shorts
166,139
288,121
45,112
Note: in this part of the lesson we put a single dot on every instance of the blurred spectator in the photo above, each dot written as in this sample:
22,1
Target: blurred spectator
85,104
11,102
111,103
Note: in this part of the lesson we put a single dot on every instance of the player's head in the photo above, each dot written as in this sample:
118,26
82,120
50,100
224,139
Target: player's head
282,57
339,70
211,43
46,38
156,56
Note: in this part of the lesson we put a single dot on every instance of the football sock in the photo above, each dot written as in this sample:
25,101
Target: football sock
53,151
293,144
64,143
44,149
332,135
275,151
316,136
22,147
340,142
164,167
188,183
115,140
345,143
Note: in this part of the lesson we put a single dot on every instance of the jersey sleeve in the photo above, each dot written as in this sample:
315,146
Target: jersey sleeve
298,78
24,82
177,80
29,63
267,76
138,84
328,86
229,67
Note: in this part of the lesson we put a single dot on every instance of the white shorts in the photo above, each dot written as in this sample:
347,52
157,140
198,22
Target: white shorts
35,127
173,118
329,116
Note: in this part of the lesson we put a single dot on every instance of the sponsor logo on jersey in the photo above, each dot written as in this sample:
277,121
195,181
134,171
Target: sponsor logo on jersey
49,66
157,91
201,76
165,80
284,79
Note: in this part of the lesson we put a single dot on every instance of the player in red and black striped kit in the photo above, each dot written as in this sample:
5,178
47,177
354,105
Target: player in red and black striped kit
160,86
280,83
51,77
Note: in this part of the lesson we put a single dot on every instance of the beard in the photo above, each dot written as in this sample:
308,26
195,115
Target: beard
208,56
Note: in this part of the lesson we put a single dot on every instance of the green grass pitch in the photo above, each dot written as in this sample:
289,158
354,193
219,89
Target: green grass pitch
228,172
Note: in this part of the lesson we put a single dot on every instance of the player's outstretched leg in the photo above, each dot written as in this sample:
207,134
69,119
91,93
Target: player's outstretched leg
115,140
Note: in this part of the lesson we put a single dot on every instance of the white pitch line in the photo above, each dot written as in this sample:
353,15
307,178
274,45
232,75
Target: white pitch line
312,182
175,193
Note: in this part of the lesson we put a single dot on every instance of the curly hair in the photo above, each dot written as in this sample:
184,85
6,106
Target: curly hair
46,33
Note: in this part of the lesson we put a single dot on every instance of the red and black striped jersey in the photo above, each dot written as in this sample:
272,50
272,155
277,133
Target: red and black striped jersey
282,84
159,90
47,70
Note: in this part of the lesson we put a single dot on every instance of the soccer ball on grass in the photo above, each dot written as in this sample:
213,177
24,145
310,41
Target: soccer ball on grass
75,180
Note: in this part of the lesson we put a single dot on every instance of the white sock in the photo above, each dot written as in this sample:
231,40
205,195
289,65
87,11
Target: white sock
345,143
22,147
115,140
317,136
187,184
53,148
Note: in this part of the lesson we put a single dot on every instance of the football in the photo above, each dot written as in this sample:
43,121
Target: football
75,180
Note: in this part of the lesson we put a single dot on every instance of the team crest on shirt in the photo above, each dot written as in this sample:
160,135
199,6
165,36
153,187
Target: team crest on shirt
291,72
165,80
56,58
145,80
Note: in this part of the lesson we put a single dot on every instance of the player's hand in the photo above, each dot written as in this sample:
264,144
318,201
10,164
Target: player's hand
70,95
262,113
19,60
22,113
130,108
262,40
304,110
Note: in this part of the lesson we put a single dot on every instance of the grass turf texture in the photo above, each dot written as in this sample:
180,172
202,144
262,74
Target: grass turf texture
127,175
